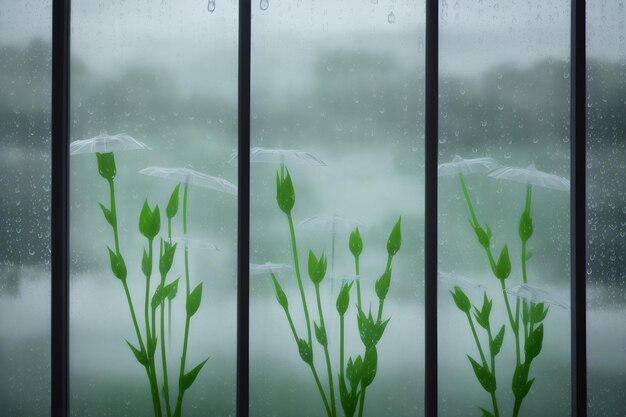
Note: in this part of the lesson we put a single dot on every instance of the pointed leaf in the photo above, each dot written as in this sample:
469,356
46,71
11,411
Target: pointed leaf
395,238
496,344
193,301
320,335
108,214
139,355
188,379
118,266
370,365
485,378
172,204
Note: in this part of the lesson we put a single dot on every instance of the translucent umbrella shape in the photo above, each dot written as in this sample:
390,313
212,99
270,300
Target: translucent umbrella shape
268,267
346,278
450,281
192,177
332,223
195,243
464,166
534,295
269,156
107,143
532,176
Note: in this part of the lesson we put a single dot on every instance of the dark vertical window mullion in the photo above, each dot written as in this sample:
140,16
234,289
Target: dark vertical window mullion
243,208
59,243
430,250
578,209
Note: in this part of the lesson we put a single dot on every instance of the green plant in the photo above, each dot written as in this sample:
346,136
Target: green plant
359,373
154,300
525,319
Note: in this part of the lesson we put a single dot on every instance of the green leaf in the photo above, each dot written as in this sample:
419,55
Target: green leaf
285,193
356,243
139,354
320,335
354,371
118,266
482,315
171,289
172,204
521,385
485,378
370,364
525,313
152,345
194,299
461,300
382,284
482,236
306,351
280,294
538,312
149,221
486,413
496,343
502,269
166,257
343,299
158,297
533,345
349,399
525,226
395,238
106,165
370,330
146,265
108,215
188,379
317,268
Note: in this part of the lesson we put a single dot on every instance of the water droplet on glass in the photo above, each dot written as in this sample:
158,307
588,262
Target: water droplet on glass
391,18
265,4
483,123
211,6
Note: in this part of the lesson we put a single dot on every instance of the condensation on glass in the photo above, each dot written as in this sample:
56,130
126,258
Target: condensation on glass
606,208
25,72
337,113
504,208
153,124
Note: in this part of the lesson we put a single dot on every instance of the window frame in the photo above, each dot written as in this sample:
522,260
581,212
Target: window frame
60,208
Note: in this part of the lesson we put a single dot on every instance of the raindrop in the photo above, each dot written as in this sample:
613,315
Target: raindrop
483,123
265,4
391,18
211,6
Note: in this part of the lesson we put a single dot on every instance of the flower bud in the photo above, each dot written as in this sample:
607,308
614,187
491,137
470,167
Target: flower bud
502,269
285,193
525,226
382,284
356,243
461,300
395,239
106,165
317,268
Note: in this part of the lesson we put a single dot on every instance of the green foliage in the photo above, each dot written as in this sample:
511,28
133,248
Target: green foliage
149,221
172,204
538,312
280,294
171,289
486,379
285,193
370,365
534,343
521,385
525,228
106,165
354,371
306,351
349,399
343,299
395,238
320,335
189,378
496,343
482,315
483,236
502,269
356,243
140,355
118,266
461,300
382,284
108,215
194,299
317,268
371,330
167,257
146,264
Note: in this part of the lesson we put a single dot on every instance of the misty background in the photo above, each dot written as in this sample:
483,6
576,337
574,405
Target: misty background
343,80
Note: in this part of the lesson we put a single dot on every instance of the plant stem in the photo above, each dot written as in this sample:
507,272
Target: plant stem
478,345
341,345
494,400
151,378
362,402
468,200
294,249
326,354
381,302
358,282
166,389
516,408
183,359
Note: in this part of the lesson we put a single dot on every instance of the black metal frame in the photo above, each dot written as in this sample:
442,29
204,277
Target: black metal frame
60,208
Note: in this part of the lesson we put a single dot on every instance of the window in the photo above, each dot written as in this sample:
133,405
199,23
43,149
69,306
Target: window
378,208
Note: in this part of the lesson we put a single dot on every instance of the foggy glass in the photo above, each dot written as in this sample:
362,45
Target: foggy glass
342,81
163,73
25,72
504,95
606,205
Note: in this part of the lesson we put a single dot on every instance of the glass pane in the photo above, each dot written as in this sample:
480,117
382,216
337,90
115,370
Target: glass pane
504,208
154,92
606,264
337,96
25,72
